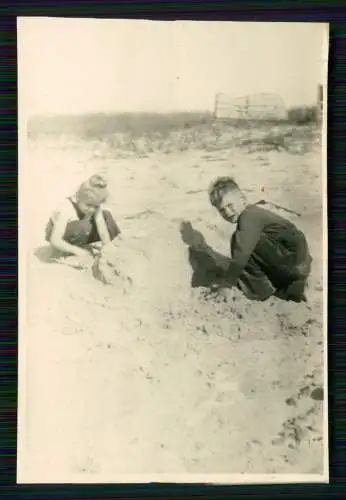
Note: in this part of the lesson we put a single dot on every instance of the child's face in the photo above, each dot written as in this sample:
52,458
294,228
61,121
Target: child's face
88,209
230,206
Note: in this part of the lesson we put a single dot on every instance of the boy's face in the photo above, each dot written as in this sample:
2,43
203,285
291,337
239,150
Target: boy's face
88,209
230,206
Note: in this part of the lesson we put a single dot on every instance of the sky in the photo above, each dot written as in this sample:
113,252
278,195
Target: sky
72,66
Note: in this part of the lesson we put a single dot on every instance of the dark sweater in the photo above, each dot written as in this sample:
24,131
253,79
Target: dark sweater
268,236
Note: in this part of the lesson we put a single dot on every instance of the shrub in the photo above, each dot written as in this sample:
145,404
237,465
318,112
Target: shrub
303,114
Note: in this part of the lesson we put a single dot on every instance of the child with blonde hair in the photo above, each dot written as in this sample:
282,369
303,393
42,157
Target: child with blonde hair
82,223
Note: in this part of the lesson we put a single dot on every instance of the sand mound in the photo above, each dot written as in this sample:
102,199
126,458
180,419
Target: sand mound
156,257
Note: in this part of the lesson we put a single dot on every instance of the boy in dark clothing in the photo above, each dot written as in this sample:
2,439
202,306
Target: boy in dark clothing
270,256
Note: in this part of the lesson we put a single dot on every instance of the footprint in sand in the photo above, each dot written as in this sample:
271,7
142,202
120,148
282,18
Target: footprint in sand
296,429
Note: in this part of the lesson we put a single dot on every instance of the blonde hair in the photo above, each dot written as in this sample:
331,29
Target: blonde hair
93,190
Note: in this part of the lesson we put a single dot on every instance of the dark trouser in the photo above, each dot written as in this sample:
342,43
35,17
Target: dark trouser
279,266
84,232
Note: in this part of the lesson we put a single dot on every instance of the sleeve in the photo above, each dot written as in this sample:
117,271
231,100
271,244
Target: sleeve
244,242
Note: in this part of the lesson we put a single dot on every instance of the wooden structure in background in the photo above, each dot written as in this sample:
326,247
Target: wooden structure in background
250,107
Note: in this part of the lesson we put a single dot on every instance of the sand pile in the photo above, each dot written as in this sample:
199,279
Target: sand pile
149,263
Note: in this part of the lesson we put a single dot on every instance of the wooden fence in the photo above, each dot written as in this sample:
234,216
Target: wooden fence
250,107
261,107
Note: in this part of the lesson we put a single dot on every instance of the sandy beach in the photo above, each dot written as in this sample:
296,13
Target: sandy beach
161,378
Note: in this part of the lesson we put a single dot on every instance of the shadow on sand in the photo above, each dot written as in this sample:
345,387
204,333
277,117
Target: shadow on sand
206,273
47,254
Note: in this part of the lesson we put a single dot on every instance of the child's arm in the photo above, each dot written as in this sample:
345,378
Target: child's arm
246,238
57,237
102,227
104,233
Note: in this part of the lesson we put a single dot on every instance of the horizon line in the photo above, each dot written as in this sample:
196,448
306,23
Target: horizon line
146,112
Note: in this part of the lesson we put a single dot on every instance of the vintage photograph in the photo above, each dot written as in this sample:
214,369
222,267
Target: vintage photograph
172,251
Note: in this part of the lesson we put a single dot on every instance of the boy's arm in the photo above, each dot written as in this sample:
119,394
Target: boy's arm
246,238
220,260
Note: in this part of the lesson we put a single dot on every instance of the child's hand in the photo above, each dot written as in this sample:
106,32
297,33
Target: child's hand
82,253
97,245
95,248
86,260
82,260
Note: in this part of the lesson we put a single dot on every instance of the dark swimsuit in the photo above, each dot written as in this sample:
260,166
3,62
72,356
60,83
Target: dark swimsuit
83,231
